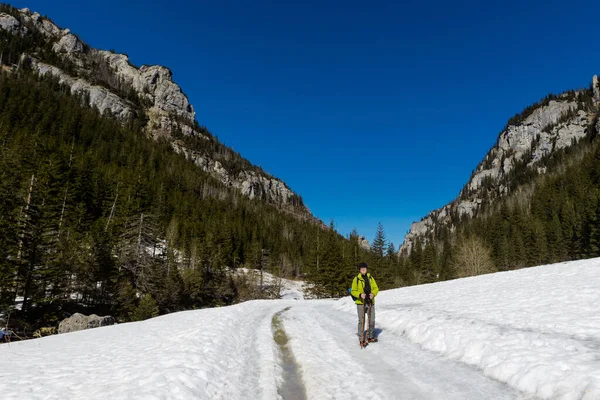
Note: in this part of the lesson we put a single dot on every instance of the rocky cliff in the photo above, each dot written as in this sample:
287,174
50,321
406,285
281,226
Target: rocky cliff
524,144
110,83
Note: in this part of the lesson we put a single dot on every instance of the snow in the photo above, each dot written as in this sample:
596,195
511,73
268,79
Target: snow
532,333
334,366
212,353
536,329
19,302
289,289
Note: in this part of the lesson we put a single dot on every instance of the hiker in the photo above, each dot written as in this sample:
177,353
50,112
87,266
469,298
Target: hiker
364,289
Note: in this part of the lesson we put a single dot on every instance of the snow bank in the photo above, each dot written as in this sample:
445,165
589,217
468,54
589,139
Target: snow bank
224,353
537,329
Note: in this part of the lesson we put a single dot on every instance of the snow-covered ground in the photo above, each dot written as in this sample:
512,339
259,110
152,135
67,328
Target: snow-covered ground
288,289
533,333
537,329
218,353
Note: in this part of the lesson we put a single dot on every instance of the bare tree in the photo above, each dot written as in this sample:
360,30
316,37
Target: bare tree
139,249
473,257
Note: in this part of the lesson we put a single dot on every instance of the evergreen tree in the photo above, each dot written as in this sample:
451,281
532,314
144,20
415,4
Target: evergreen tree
146,309
430,271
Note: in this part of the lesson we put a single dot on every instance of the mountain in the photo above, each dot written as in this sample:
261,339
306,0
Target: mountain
534,198
109,82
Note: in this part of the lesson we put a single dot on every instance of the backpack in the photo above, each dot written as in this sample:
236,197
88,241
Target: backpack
350,292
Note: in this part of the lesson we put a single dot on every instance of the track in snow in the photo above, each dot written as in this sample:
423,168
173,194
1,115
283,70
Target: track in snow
325,345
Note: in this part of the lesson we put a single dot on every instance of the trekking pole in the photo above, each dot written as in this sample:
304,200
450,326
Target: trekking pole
361,339
369,305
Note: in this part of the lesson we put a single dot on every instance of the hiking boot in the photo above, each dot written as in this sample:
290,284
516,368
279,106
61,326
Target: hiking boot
372,340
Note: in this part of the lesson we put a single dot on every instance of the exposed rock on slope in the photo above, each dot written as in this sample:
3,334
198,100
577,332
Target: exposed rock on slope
11,25
99,97
364,243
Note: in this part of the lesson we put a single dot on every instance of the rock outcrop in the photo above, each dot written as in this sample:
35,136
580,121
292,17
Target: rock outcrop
11,25
68,44
78,322
364,243
99,97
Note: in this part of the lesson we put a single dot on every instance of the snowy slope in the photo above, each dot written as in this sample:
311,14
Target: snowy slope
537,329
533,333
212,353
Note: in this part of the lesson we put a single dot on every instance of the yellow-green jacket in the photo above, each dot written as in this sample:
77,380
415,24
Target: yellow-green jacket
358,287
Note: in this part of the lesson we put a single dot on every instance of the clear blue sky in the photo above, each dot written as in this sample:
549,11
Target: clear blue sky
372,111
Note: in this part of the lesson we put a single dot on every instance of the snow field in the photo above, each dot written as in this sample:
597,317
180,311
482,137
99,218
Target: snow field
532,333
537,329
219,353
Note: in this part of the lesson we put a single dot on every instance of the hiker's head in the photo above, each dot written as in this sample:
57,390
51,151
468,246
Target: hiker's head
362,267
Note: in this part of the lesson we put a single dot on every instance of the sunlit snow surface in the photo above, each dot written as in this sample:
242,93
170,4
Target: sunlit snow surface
536,330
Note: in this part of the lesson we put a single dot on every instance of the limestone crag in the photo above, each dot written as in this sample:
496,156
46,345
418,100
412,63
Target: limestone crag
516,140
12,25
249,183
68,44
153,83
41,24
555,125
364,243
99,97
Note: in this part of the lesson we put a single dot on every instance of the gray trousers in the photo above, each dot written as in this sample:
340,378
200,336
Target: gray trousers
370,315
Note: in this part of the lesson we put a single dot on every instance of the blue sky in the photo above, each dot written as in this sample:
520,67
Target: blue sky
372,112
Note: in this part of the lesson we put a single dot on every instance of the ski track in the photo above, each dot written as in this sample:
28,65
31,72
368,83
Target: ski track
324,339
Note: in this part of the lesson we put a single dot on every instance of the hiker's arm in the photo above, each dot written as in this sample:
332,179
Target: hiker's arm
374,287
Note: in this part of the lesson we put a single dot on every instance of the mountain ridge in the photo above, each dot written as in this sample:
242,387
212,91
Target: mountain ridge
109,82
522,147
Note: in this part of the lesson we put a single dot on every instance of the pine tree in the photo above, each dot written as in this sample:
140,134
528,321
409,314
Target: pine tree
380,265
416,262
392,264
429,271
146,309
379,245
447,262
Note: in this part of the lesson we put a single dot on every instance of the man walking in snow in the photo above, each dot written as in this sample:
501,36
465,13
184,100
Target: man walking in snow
364,289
